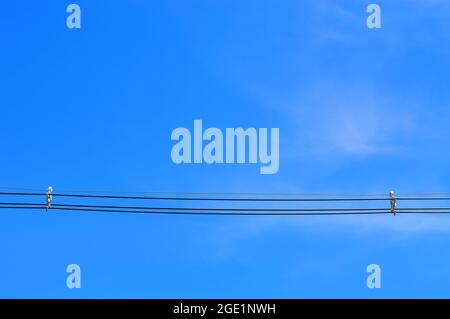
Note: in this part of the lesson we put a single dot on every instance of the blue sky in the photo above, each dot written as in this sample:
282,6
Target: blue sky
359,110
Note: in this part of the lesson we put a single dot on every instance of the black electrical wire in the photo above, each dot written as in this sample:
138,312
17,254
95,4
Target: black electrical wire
35,189
250,211
228,199
235,212
233,209
234,199
21,207
184,212
225,209
22,204
180,212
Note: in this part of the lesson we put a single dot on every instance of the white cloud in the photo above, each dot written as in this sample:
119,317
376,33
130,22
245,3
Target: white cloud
229,240
392,228
348,120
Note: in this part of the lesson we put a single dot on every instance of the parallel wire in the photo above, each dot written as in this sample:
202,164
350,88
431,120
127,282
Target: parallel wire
181,212
140,208
227,210
224,213
236,199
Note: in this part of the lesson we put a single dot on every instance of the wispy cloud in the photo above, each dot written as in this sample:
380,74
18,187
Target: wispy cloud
338,120
230,238
354,122
398,227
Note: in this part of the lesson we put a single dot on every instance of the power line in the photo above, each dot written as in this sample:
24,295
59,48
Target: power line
221,209
217,193
220,213
225,209
236,199
22,204
37,191
246,209
115,191
194,198
22,207
180,212
223,213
